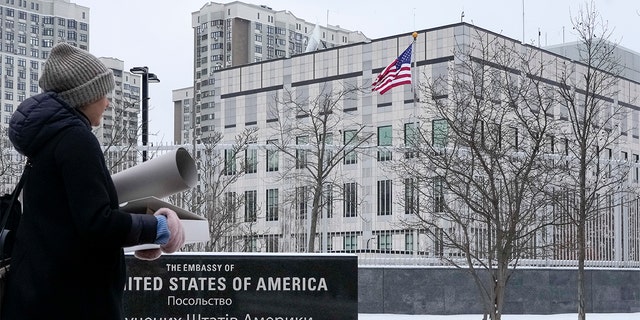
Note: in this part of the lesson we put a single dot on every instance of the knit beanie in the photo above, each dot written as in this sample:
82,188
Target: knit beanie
76,75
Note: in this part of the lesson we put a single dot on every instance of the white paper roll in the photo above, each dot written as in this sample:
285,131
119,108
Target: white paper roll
159,177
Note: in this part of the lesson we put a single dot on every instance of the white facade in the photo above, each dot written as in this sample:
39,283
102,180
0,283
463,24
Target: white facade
246,93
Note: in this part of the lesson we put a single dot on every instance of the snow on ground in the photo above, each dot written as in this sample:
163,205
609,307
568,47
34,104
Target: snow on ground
567,316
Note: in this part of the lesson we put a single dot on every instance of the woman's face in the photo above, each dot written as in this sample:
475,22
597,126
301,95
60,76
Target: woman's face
94,110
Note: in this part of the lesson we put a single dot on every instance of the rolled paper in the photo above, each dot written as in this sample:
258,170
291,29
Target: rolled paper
159,177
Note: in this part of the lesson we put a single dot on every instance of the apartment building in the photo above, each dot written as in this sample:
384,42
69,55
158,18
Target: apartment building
238,33
29,30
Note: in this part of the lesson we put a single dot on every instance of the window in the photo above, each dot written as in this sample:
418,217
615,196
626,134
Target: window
384,197
328,151
301,154
271,243
230,206
328,202
410,140
329,243
440,132
251,160
350,156
250,244
384,242
250,207
636,169
350,242
438,194
438,244
350,200
410,196
384,140
272,156
229,162
301,202
408,242
272,205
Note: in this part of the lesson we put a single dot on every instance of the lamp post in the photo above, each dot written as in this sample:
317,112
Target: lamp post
146,78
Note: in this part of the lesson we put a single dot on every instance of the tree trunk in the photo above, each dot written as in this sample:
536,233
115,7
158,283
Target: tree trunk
581,259
315,210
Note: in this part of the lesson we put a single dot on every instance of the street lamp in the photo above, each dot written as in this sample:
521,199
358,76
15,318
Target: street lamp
146,78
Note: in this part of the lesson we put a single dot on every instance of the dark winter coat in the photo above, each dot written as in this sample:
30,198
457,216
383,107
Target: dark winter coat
68,261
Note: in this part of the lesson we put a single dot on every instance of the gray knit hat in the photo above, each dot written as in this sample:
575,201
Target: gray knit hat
76,75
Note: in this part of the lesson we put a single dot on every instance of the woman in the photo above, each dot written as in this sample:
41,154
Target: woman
68,261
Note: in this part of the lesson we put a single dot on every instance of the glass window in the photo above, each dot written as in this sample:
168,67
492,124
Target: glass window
250,244
385,140
350,156
350,200
250,206
251,160
301,202
230,206
272,204
350,242
438,194
272,156
410,196
410,141
328,201
229,162
271,243
384,197
408,242
301,154
385,242
440,132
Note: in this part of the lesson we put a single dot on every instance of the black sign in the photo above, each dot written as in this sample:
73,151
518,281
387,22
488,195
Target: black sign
243,287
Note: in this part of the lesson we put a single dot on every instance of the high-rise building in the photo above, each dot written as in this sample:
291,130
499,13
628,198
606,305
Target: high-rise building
183,112
29,30
238,33
120,128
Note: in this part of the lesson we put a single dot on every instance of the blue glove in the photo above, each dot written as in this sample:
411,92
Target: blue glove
162,232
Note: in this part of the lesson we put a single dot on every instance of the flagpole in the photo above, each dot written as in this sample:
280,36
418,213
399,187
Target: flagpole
413,82
413,65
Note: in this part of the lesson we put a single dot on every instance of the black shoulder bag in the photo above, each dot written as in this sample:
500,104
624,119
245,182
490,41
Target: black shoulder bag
11,210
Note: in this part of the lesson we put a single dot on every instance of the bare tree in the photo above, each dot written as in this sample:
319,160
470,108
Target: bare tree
219,167
478,163
119,135
11,163
305,134
589,92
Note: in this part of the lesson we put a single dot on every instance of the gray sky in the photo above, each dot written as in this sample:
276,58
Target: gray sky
158,34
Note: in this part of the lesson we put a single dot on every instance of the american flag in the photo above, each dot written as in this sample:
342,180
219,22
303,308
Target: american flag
396,74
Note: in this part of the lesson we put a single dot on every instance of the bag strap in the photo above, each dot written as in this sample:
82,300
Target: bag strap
14,196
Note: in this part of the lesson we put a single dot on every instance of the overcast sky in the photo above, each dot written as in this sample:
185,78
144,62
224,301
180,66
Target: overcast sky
158,34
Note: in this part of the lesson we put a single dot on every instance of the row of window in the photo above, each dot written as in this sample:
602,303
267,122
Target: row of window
349,138
46,20
34,40
350,201
350,243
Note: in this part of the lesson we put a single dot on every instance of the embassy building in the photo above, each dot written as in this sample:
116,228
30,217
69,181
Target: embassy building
365,210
